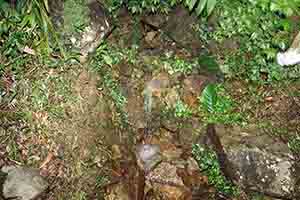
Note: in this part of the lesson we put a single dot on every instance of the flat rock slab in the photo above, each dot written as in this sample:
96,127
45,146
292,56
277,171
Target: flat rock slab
22,183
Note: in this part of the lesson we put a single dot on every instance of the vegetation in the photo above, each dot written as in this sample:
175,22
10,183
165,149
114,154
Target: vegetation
208,162
294,144
218,108
135,6
38,76
258,33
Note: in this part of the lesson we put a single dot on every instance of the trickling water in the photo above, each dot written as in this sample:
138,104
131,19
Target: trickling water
147,107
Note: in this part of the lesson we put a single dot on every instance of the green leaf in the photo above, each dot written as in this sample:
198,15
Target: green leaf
209,98
210,6
108,60
201,6
192,4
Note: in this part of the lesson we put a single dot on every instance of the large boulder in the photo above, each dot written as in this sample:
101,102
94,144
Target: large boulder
260,162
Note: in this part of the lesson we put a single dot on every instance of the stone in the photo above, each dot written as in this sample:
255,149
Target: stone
98,27
148,156
167,183
24,183
261,163
179,28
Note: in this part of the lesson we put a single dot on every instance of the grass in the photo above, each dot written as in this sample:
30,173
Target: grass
50,109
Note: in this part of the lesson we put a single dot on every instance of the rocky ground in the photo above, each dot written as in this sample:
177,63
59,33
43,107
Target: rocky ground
120,130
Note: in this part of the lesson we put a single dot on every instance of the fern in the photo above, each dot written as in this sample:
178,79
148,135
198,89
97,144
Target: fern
209,98
218,107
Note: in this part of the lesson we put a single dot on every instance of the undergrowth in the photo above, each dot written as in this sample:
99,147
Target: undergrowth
105,58
216,106
209,164
260,30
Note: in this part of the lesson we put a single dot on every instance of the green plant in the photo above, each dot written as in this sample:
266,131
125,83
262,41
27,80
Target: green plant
294,144
138,6
101,180
173,64
201,5
259,34
31,17
104,59
218,108
75,16
181,110
208,163
288,8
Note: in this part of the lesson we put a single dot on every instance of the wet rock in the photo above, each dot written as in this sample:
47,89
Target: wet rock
148,156
152,39
167,183
261,163
24,183
179,28
94,33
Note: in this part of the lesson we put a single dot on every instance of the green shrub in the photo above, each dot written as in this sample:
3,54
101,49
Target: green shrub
260,33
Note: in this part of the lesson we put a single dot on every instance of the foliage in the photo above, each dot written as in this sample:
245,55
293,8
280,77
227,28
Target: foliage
288,8
31,18
218,108
75,16
178,65
208,162
294,144
139,6
182,110
259,33
104,59
201,5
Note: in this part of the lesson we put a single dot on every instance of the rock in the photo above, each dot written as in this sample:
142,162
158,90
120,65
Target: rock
167,183
150,37
94,33
179,27
24,183
261,164
148,156
156,20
